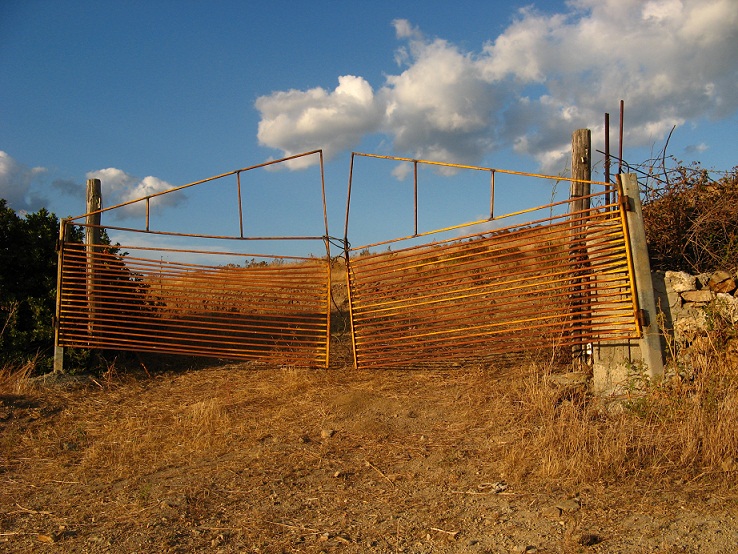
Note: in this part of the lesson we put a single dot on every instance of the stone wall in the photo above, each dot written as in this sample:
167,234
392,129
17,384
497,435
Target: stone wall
689,303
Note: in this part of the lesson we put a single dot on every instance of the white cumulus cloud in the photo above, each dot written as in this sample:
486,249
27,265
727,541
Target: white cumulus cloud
672,61
16,184
299,121
119,187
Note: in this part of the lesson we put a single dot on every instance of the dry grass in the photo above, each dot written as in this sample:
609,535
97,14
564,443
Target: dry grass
681,428
266,457
16,380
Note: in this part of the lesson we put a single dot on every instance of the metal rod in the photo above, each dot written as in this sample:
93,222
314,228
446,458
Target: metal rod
240,206
200,182
629,255
220,237
323,198
348,202
620,134
607,156
463,166
491,194
329,265
415,196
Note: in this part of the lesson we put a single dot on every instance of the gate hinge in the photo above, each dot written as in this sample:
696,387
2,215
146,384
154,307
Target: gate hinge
626,202
643,319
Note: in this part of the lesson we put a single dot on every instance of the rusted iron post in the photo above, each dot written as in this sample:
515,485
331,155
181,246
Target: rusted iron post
607,157
620,138
92,240
415,197
491,194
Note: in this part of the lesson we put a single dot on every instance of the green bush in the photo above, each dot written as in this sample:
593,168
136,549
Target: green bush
28,262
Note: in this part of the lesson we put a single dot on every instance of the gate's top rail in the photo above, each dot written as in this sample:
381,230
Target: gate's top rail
452,166
237,172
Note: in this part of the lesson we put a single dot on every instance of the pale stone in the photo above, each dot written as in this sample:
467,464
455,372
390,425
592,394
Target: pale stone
697,296
727,305
680,281
687,328
570,505
721,281
702,280
573,379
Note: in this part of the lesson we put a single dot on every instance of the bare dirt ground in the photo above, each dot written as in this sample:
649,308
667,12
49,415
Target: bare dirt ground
240,458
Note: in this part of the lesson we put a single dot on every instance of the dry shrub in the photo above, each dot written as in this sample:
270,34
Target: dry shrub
692,221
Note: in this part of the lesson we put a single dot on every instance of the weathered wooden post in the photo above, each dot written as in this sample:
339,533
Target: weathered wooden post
93,234
581,174
581,168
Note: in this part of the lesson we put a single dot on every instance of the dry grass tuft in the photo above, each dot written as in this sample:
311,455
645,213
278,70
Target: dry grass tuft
682,428
17,380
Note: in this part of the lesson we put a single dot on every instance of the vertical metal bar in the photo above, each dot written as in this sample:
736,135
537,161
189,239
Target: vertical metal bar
348,204
351,310
607,157
329,295
148,207
240,206
622,208
620,147
347,259
492,194
415,195
327,243
322,192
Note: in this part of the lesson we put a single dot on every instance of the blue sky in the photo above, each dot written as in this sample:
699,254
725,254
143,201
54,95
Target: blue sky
155,94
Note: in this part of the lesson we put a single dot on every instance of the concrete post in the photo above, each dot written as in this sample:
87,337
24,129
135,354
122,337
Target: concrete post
613,363
65,231
650,342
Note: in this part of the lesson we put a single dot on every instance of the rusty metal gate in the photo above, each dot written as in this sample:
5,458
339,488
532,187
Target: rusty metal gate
545,285
273,308
551,280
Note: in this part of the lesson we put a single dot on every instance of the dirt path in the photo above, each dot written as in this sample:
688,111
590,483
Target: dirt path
237,459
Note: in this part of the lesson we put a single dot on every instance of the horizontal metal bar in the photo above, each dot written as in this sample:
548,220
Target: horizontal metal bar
562,281
275,311
200,182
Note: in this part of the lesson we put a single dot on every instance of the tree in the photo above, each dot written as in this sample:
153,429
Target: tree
28,267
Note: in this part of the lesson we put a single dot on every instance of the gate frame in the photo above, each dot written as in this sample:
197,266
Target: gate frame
579,199
94,228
